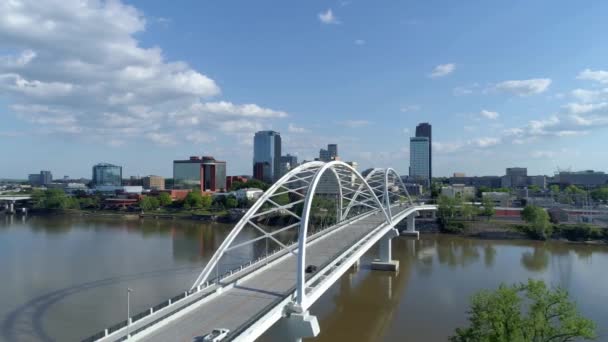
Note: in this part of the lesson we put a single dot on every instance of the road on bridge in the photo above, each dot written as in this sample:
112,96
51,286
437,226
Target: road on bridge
236,306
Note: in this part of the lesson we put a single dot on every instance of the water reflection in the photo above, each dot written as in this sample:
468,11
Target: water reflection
489,255
66,277
535,261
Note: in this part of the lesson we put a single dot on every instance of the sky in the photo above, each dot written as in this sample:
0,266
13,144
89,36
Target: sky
141,83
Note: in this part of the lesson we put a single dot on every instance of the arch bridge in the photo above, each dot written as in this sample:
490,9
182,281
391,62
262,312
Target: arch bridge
306,230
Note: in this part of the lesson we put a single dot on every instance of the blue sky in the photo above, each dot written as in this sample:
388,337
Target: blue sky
140,83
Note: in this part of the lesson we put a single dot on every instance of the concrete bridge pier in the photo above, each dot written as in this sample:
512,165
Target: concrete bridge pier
11,207
296,326
385,263
411,227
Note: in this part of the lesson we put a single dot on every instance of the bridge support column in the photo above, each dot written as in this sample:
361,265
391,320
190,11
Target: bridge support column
297,326
411,227
385,263
11,207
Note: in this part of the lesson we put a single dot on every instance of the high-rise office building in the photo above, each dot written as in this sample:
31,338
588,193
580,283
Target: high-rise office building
419,160
291,160
107,175
515,177
46,177
34,179
333,151
329,154
204,173
424,130
288,162
324,155
267,156
153,182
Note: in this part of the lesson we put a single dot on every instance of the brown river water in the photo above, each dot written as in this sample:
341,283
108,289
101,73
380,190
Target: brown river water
65,278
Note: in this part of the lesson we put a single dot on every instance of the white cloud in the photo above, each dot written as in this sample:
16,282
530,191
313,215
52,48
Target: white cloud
328,17
291,128
410,108
524,87
585,95
442,70
77,68
600,76
161,138
489,114
447,147
359,42
584,108
355,123
484,142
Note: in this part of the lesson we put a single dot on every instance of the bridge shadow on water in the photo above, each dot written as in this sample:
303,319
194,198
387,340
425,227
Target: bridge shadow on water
25,323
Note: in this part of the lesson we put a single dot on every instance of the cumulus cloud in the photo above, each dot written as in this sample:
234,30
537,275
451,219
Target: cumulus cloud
524,87
291,128
447,147
586,95
584,108
442,70
328,17
489,114
77,67
600,76
484,142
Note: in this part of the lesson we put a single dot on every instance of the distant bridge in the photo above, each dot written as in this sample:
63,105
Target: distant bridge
304,233
10,200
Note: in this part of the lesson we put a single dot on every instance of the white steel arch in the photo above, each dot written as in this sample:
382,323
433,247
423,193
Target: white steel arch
266,197
302,236
300,182
378,179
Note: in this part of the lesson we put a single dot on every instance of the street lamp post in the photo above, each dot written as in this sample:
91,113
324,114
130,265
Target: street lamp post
128,311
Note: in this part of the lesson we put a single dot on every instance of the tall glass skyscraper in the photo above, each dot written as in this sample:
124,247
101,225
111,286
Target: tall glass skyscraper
424,130
107,174
267,156
419,160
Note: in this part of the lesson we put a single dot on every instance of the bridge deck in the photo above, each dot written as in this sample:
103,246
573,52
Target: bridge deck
251,297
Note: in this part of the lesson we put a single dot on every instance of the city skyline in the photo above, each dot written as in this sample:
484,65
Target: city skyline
361,76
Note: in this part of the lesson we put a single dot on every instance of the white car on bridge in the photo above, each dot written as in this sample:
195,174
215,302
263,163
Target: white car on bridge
216,335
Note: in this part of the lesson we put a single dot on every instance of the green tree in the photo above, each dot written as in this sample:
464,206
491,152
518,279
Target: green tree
480,190
468,211
446,210
252,183
194,199
524,312
164,199
554,189
534,188
539,221
231,202
206,201
600,194
149,203
574,190
435,189
488,207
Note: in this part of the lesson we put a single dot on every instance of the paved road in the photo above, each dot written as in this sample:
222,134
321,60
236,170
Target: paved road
236,306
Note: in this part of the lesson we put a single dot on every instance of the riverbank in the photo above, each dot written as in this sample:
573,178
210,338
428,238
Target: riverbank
223,216
516,230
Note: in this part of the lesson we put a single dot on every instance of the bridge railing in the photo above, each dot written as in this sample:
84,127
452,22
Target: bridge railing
116,331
